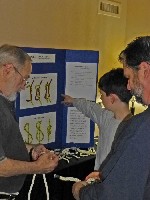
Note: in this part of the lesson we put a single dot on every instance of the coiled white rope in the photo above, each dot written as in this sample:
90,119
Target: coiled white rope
63,178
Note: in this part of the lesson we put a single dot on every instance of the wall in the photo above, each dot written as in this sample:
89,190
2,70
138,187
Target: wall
137,19
71,24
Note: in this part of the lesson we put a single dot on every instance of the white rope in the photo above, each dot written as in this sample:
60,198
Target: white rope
67,155
32,183
46,186
63,178
31,186
10,194
16,193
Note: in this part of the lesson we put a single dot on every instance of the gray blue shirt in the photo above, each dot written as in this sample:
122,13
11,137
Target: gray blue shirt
11,146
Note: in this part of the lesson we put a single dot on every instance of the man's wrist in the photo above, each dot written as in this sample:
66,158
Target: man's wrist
84,183
30,153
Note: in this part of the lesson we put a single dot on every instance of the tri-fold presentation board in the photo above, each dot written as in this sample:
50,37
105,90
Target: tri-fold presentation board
42,118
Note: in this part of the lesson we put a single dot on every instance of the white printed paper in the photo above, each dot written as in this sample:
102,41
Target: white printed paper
42,58
78,127
81,80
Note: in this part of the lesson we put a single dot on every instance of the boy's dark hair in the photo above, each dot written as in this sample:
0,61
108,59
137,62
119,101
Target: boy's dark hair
114,82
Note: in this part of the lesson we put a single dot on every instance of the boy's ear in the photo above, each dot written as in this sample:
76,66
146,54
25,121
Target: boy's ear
113,98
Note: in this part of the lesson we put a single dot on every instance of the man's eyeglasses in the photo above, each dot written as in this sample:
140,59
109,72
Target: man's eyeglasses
23,79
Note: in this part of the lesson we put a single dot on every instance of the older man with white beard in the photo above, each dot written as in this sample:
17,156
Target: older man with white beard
15,69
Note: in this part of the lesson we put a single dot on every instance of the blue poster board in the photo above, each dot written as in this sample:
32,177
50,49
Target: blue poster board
42,118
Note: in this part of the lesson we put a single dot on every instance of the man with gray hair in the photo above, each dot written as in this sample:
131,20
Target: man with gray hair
15,69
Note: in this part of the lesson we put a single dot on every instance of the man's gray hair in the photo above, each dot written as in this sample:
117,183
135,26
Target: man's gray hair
13,54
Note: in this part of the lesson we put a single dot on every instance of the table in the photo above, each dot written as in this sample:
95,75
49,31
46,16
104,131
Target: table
59,190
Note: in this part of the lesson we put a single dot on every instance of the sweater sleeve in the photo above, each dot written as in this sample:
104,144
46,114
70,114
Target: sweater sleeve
90,109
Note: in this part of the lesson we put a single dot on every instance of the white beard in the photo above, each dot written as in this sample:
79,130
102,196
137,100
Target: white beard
12,97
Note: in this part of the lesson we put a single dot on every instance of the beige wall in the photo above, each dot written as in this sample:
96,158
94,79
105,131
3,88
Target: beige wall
138,19
71,24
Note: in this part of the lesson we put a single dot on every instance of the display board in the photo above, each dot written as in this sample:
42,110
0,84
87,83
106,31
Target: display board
42,118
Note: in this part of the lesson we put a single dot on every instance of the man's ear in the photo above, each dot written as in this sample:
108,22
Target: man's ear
145,68
7,70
